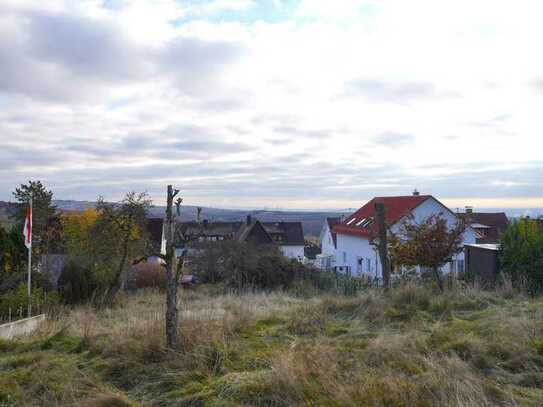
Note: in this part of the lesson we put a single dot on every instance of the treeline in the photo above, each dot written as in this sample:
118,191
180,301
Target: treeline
97,246
521,255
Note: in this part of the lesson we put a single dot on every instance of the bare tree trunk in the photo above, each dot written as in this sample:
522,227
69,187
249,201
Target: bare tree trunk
171,274
118,281
383,249
438,278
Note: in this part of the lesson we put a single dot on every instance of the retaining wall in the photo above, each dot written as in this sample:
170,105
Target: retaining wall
21,327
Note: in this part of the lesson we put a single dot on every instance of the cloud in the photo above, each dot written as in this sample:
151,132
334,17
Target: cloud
393,139
62,57
300,132
397,92
537,85
237,101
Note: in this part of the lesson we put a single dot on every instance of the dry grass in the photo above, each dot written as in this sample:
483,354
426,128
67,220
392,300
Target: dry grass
412,348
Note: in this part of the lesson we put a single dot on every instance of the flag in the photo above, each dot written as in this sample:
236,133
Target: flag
27,232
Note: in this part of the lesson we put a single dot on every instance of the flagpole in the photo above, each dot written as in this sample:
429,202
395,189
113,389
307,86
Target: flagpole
29,280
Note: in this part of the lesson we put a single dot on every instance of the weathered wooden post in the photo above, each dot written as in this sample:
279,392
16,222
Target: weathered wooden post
383,248
171,272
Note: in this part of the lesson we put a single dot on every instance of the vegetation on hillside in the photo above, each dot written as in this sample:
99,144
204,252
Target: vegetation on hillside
412,348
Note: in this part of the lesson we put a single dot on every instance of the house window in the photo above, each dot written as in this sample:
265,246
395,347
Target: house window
368,266
359,265
344,257
460,265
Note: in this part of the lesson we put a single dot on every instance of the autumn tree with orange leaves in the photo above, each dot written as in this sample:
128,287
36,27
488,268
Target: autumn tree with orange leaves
430,243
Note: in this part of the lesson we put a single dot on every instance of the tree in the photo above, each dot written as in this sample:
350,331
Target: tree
76,230
42,210
521,254
432,243
119,237
13,254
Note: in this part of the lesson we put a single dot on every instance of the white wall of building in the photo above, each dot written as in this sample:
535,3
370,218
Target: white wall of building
293,252
357,255
326,240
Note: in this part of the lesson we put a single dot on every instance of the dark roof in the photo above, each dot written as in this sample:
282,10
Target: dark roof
291,233
496,223
253,232
362,222
223,229
155,228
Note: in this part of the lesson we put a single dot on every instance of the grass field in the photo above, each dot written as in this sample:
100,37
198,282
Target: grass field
412,348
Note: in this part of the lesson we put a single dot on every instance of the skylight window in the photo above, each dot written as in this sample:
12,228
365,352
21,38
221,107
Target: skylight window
351,221
361,221
367,222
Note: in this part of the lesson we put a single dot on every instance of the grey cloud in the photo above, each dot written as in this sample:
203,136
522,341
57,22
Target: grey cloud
537,85
192,62
393,139
85,46
391,92
494,121
293,177
65,58
300,132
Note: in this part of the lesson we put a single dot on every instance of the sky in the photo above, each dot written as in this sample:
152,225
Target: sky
291,104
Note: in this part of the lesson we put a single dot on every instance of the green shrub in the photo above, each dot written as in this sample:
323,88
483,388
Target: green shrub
14,304
521,255
77,284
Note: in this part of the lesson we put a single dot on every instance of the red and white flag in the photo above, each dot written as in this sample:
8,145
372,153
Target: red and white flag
27,232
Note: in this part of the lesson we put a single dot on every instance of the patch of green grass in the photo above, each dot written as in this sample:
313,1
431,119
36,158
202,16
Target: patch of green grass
412,347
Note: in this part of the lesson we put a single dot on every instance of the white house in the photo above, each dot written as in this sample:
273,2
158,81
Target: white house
327,239
155,230
355,253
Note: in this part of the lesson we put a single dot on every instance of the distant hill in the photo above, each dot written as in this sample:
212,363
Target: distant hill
312,220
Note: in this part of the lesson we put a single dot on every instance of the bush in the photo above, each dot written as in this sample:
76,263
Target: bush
148,275
521,255
76,284
242,265
14,304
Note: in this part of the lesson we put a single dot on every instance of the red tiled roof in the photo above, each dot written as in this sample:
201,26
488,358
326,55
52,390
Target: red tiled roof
362,222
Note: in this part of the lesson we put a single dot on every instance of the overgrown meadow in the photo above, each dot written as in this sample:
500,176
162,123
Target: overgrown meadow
414,347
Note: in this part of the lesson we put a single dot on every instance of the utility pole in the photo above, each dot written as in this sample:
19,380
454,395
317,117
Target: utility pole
383,248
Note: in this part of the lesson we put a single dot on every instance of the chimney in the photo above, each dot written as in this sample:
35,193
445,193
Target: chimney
469,209
249,220
416,193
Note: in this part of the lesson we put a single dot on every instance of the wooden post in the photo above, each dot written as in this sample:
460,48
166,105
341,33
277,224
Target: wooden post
383,248
171,275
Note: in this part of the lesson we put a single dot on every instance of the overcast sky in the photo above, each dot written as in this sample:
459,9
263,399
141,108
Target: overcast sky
274,103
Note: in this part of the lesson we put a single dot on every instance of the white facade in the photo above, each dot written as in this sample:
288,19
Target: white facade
326,240
293,252
355,254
